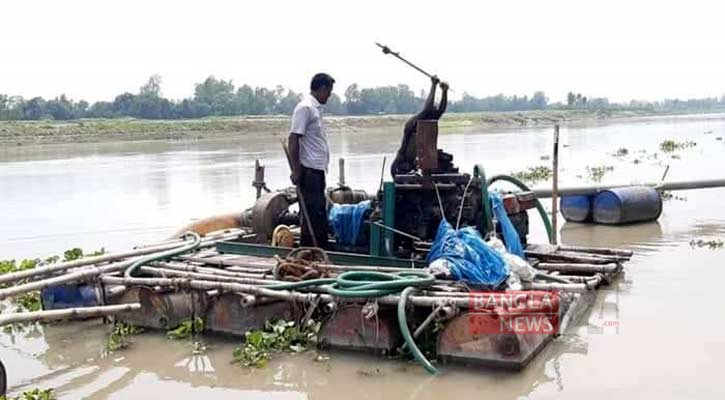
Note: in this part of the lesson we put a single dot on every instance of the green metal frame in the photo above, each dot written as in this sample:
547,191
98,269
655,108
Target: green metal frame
479,173
375,239
250,249
388,218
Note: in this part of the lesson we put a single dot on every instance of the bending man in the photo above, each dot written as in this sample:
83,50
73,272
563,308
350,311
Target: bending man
405,158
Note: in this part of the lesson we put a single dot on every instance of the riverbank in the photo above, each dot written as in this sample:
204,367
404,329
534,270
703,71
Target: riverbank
23,133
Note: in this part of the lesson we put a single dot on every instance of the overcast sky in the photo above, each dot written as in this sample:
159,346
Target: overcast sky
618,49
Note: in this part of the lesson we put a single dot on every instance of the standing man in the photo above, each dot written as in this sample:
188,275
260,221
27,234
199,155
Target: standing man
405,158
310,155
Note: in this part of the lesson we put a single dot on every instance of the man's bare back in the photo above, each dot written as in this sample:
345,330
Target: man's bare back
405,158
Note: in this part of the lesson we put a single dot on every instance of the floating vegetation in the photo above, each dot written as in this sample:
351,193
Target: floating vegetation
667,195
28,302
595,174
76,253
31,301
9,266
367,372
713,244
119,337
277,336
186,329
35,394
534,174
198,347
669,146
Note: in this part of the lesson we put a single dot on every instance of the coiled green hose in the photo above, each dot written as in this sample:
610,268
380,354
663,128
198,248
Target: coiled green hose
539,207
358,284
131,270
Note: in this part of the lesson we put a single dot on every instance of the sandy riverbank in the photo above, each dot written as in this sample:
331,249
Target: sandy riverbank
23,133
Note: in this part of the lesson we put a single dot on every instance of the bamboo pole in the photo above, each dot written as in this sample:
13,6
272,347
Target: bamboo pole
83,274
52,315
416,300
179,241
555,189
574,258
580,268
242,266
597,250
669,186
212,271
164,272
582,279
567,287
55,268
213,285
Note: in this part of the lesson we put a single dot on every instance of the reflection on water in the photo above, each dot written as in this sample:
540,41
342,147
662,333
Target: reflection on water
653,332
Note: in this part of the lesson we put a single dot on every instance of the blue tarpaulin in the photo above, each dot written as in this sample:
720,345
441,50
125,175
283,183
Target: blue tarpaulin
510,235
469,257
346,220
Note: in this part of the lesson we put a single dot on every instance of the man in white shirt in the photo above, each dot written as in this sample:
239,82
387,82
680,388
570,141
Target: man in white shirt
310,155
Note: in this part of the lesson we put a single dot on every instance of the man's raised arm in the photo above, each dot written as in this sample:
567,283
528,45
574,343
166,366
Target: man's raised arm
430,101
444,99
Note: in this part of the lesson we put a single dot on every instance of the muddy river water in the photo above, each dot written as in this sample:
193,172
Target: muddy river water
657,331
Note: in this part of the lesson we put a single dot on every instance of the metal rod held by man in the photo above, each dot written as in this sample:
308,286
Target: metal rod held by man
386,50
301,198
555,188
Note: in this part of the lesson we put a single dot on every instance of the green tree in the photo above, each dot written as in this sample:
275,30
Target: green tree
152,87
218,94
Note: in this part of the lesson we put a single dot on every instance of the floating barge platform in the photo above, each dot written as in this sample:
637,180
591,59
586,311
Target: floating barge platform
235,272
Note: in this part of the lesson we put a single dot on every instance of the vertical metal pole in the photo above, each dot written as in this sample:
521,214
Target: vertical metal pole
341,181
555,189
487,223
258,177
388,217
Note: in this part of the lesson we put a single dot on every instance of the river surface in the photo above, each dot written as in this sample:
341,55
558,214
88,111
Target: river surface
655,332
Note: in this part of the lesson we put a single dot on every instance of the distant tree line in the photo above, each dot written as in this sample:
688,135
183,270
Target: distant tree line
218,97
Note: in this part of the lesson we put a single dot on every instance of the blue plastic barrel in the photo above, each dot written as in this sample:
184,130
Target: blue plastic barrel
626,205
69,296
576,208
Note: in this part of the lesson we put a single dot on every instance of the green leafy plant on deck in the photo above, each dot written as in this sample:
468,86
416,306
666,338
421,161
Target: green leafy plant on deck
186,329
35,394
669,146
118,339
275,337
534,174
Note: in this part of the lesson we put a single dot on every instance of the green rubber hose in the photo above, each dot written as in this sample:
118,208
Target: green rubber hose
539,207
358,284
403,323
133,268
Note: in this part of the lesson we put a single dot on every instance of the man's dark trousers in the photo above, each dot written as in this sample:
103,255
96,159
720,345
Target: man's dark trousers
312,186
